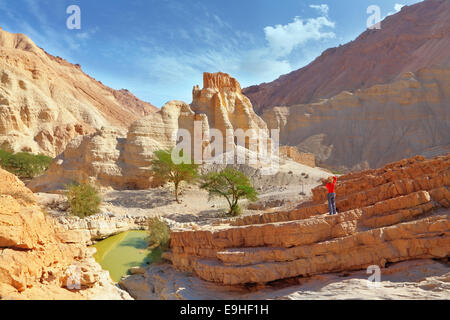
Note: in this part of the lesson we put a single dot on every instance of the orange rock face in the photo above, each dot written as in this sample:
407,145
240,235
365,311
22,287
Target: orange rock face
396,213
227,109
34,252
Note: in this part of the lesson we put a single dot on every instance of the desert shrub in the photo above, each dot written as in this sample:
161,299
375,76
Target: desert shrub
24,165
83,199
158,234
231,184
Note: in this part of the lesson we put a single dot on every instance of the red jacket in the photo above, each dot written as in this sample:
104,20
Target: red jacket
331,186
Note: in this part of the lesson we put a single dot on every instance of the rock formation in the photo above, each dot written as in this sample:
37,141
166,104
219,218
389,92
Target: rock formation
38,258
416,37
46,101
371,127
123,161
397,213
226,108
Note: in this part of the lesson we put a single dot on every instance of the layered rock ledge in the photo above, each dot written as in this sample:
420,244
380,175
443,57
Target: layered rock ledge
397,213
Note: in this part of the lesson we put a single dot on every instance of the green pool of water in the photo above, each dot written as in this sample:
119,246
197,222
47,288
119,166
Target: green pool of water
119,253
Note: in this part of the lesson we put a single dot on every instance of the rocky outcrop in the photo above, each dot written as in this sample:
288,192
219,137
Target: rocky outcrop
123,161
397,213
38,258
46,101
416,37
371,127
227,109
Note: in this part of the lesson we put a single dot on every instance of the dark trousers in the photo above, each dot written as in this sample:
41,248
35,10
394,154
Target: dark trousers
332,203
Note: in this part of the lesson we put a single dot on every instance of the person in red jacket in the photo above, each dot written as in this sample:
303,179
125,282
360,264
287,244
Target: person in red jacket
331,186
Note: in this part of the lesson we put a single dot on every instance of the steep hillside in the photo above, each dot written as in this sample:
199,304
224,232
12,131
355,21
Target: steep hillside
45,101
416,37
373,126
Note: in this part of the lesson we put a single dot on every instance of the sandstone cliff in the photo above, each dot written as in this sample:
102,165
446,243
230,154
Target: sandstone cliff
396,213
123,161
46,101
226,108
416,37
38,258
371,127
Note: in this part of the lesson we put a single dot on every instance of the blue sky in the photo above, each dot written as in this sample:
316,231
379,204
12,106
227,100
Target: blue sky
159,49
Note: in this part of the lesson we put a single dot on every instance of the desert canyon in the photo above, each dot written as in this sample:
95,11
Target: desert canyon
375,100
382,125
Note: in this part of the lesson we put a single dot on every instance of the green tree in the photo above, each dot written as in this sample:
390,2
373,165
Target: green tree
231,184
165,169
24,165
83,199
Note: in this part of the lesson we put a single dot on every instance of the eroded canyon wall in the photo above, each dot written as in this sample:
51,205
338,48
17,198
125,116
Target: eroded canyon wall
373,126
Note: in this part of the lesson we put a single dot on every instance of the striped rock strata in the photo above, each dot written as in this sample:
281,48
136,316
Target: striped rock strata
396,213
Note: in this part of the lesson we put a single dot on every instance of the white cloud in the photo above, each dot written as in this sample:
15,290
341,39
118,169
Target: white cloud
323,8
171,72
398,7
284,38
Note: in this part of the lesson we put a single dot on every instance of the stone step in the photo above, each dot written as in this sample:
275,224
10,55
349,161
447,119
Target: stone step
293,233
426,238
245,256
270,217
350,202
363,182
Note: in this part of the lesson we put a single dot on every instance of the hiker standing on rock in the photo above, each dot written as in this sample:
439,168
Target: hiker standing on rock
331,185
